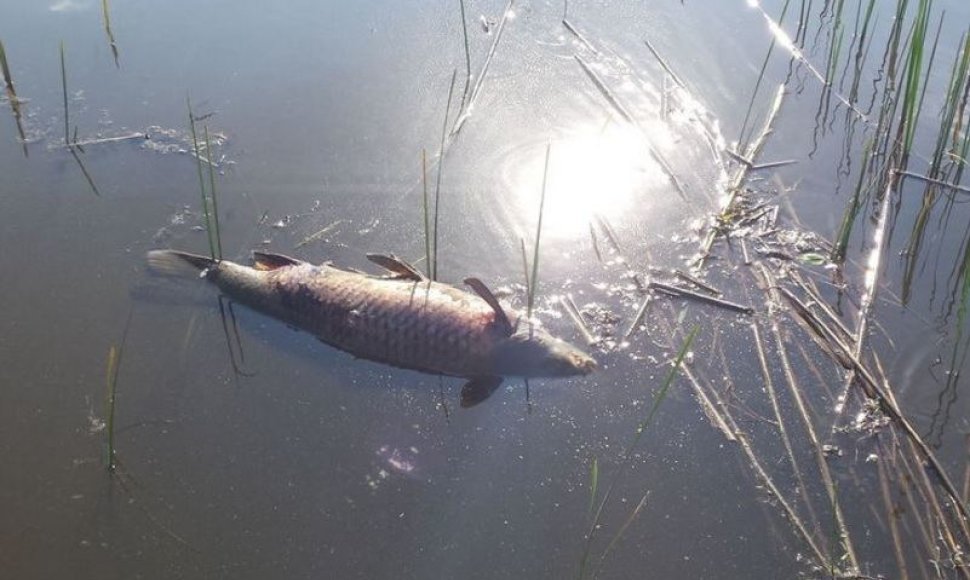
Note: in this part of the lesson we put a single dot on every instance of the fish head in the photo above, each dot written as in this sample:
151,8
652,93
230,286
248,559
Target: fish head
532,353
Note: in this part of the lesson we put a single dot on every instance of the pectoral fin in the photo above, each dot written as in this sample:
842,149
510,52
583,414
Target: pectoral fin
478,389
485,294
266,261
397,266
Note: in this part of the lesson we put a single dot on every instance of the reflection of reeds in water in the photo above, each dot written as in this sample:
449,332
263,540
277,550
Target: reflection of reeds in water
921,513
945,167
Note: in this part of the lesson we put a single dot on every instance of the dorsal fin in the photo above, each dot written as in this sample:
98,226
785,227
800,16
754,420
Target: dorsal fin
397,266
266,261
485,294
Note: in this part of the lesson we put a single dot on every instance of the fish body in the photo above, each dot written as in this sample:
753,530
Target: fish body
402,319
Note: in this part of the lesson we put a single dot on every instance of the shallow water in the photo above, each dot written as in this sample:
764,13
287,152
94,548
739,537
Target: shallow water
307,462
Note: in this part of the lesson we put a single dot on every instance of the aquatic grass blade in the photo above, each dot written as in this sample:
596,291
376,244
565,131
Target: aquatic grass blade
67,122
111,381
525,268
198,164
13,99
437,186
534,278
468,58
106,15
5,68
427,219
212,193
658,399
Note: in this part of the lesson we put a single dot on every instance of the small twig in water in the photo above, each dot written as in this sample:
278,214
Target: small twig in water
696,282
317,235
570,307
684,292
934,181
772,164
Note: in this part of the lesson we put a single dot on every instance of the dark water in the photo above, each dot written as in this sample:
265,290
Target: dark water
308,463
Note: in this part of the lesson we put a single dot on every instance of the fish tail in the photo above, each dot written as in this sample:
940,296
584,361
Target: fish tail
177,264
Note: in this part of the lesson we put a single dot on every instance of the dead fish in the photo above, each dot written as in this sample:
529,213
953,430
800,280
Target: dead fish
402,319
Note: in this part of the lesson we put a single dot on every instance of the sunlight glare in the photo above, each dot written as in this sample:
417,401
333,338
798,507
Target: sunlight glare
596,171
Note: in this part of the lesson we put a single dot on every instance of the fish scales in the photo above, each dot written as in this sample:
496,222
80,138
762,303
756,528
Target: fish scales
420,325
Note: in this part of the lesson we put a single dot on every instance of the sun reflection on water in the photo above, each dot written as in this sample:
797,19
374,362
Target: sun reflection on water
592,171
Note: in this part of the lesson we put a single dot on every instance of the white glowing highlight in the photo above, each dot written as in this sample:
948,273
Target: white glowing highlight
591,172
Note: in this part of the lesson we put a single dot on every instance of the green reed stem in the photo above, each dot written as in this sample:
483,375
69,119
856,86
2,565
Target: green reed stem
628,453
198,164
427,219
437,185
534,279
7,78
67,122
468,58
212,192
111,381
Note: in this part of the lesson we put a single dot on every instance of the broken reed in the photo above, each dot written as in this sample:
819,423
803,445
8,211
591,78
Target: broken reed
211,222
658,399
